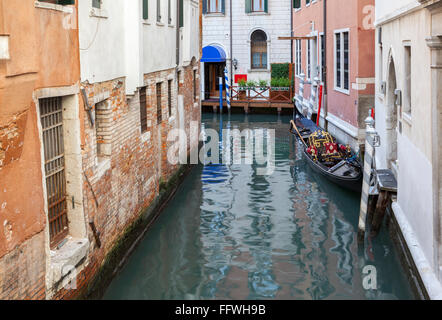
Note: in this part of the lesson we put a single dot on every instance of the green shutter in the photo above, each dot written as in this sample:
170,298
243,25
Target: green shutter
205,6
223,6
248,6
181,14
266,6
145,9
296,4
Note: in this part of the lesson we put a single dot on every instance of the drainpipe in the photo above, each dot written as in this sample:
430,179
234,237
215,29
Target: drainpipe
325,67
177,39
231,47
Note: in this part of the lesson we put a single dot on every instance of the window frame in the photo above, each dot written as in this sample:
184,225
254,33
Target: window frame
219,6
253,46
341,88
262,6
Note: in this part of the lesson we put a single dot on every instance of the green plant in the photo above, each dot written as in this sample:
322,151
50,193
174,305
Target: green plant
274,82
251,84
263,83
280,70
285,82
242,84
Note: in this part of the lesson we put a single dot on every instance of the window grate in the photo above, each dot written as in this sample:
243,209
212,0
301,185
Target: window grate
51,118
159,109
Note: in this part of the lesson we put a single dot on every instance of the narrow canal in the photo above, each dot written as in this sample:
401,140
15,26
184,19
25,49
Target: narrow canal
230,233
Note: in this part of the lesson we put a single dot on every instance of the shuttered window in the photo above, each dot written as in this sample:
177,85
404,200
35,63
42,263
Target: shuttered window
158,10
51,118
143,109
96,4
145,9
257,6
181,13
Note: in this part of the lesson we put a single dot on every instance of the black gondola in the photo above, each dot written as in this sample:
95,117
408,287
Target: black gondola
347,173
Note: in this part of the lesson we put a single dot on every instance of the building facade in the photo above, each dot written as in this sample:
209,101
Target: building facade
338,54
246,35
409,122
85,114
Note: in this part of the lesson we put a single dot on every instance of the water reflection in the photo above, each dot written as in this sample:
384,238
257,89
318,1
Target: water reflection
231,233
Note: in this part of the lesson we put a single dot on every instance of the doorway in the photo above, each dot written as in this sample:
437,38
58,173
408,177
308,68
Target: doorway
213,72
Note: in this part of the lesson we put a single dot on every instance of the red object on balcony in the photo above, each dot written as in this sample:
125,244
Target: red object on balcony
239,77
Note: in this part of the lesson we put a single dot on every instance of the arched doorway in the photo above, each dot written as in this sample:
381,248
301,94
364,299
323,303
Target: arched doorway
392,118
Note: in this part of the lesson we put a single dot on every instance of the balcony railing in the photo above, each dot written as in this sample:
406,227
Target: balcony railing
262,94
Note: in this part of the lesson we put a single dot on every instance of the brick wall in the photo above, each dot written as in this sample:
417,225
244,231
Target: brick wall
137,162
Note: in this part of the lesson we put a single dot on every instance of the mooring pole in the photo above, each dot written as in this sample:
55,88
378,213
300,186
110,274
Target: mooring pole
372,141
221,95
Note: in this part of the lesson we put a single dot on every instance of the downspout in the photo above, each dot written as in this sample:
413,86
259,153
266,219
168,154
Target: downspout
231,48
325,68
177,39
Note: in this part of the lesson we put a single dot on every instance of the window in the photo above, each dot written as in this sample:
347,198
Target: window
145,9
407,74
194,85
169,12
61,2
214,6
342,61
179,81
158,10
307,2
298,61
96,4
259,49
258,5
143,110
169,96
103,120
159,109
51,118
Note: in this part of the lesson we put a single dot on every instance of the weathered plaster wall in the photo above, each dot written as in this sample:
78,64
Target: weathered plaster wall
43,53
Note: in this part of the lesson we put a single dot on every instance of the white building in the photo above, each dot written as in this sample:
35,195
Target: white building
409,121
253,45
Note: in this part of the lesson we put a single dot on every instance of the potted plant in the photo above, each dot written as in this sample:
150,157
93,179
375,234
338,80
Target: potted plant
280,90
263,85
242,87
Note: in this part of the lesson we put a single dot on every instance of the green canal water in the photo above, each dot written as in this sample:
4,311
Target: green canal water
230,233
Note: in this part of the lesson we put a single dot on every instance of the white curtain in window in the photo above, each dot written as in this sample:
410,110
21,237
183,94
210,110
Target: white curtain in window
257,5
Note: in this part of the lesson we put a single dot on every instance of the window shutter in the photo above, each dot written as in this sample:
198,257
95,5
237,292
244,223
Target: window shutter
145,9
223,6
266,6
181,13
297,4
205,6
248,6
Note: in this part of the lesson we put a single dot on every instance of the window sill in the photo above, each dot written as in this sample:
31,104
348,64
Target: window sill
406,116
258,70
347,92
258,14
67,258
52,6
99,13
214,14
171,25
161,24
146,22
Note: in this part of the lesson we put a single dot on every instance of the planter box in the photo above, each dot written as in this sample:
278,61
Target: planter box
280,94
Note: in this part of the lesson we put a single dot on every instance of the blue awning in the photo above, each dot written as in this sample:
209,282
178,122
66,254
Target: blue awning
213,53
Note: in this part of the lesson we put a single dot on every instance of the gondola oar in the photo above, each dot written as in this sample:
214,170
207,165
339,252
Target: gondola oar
292,123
